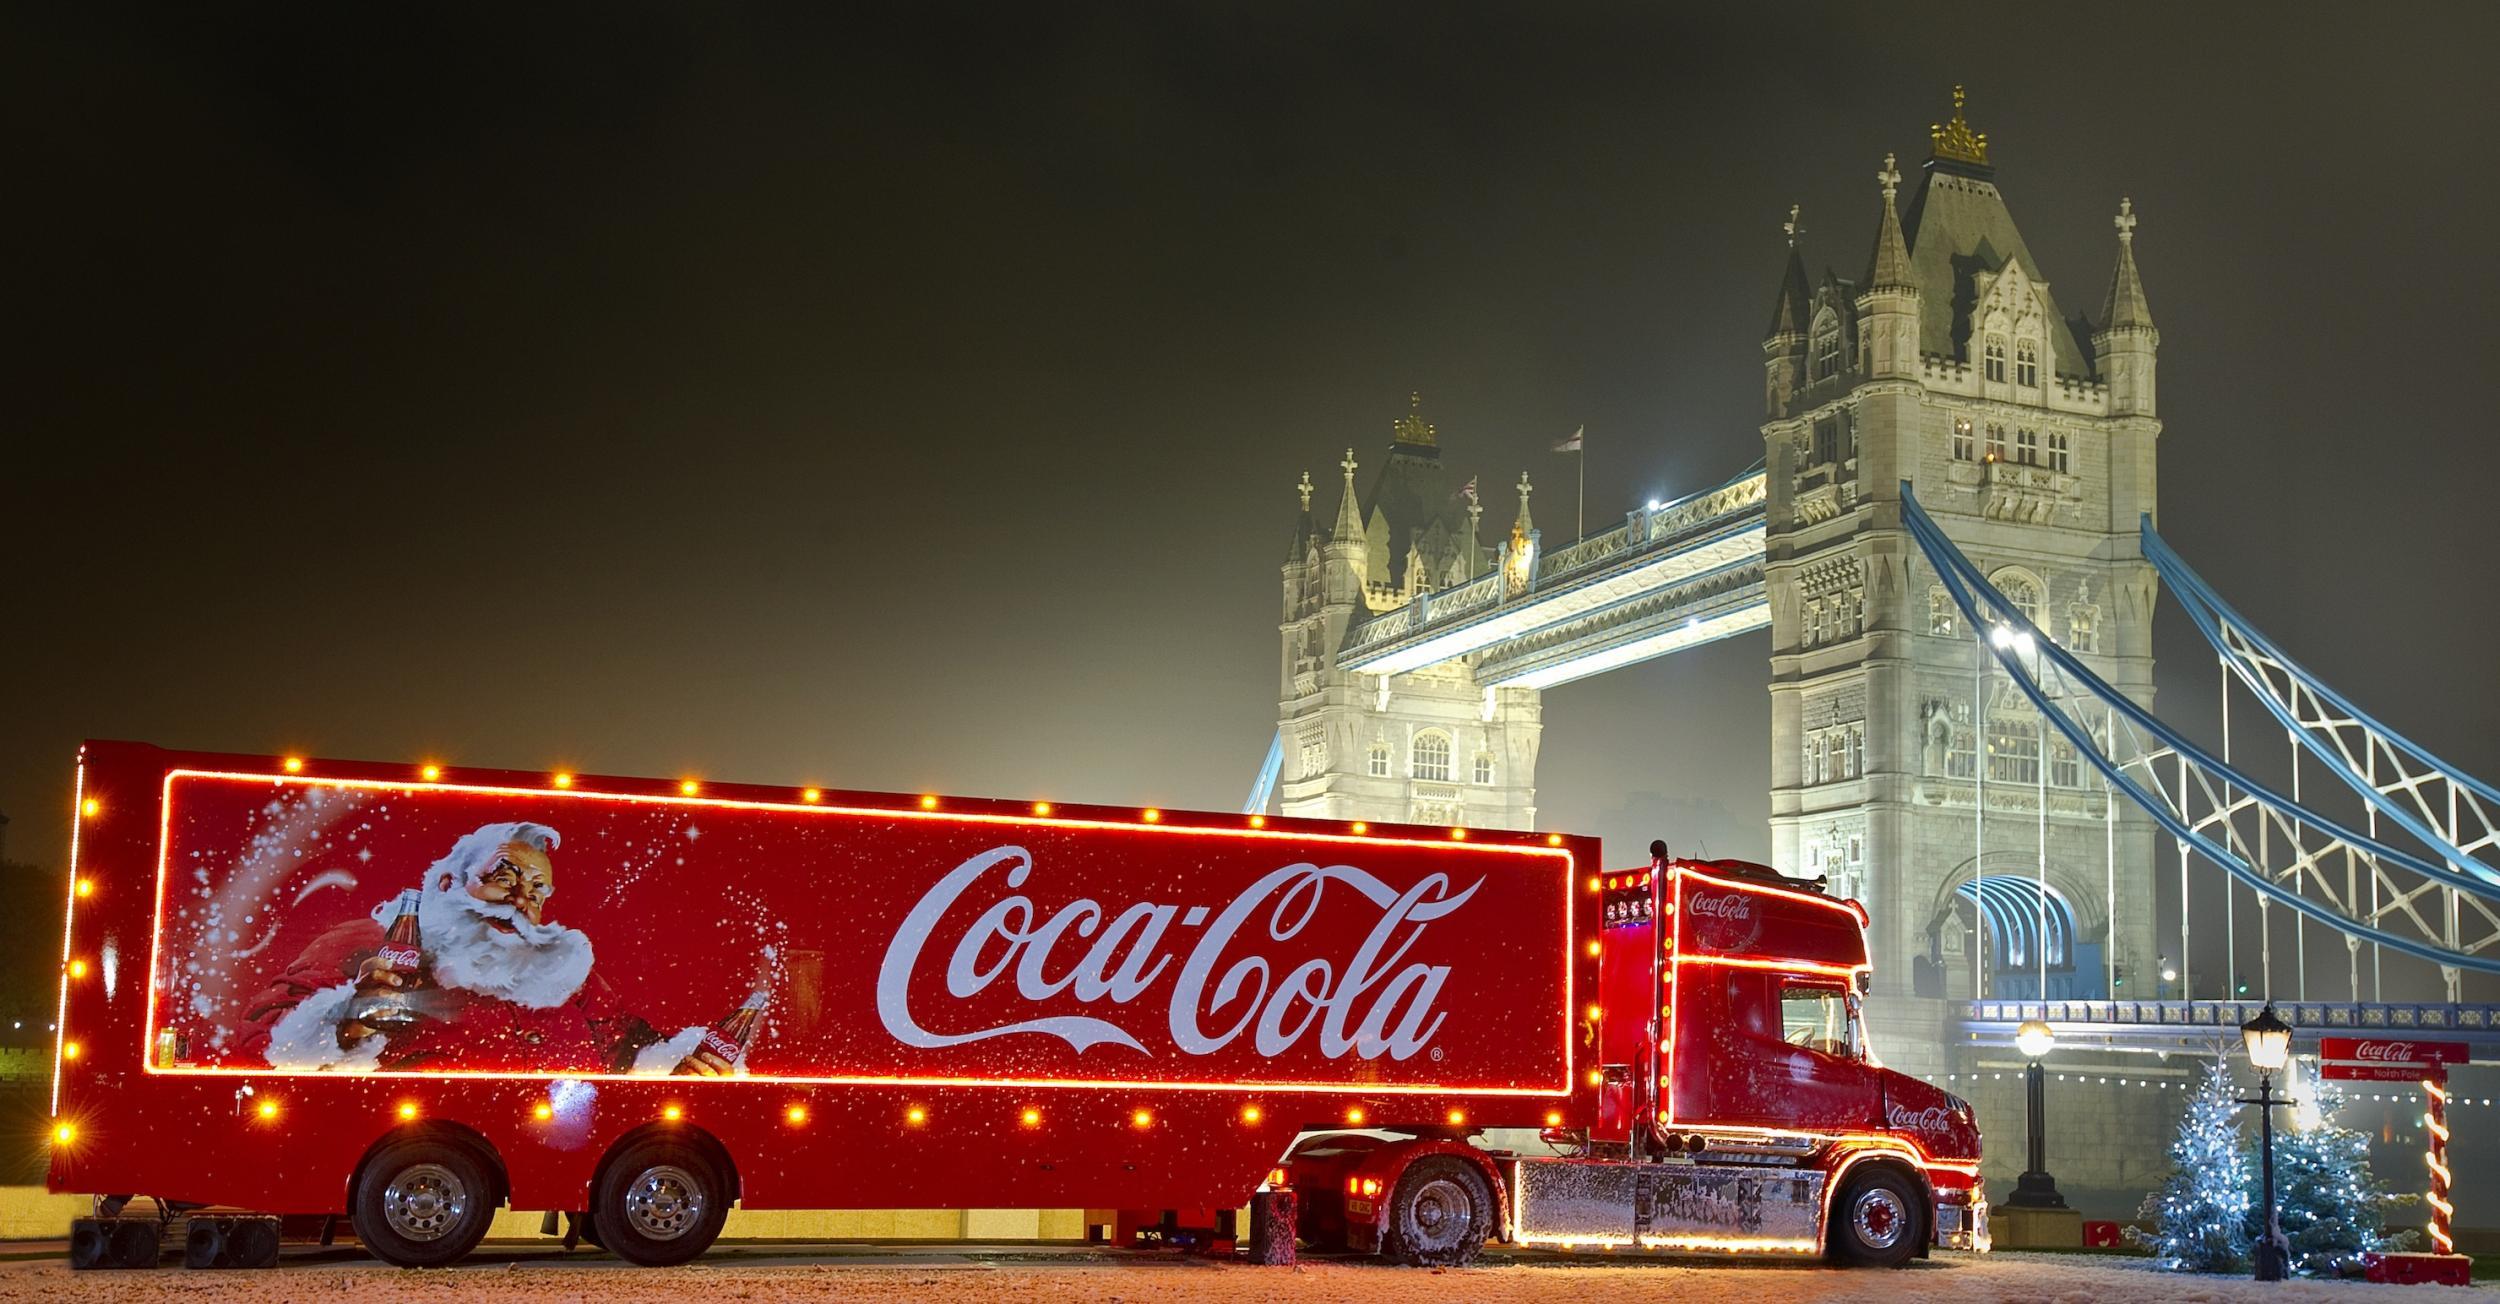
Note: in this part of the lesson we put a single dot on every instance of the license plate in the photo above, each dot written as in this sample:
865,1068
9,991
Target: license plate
1359,1208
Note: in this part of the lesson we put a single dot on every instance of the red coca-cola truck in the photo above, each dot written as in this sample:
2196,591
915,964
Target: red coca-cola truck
402,996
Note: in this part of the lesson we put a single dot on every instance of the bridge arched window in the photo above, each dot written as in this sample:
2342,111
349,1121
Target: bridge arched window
2027,364
1996,441
1380,760
2022,589
1963,445
1484,767
2061,456
2027,446
2013,749
1996,359
1826,347
1432,756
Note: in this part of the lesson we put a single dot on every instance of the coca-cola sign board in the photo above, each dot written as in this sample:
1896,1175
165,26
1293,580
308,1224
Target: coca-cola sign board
2395,1050
571,934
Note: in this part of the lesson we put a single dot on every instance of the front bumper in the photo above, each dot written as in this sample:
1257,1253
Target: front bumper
1962,1220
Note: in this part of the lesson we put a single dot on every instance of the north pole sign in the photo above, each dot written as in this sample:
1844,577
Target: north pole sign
2383,1050
2380,1072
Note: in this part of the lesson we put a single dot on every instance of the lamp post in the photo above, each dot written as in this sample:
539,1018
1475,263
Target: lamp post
2269,1042
2035,1189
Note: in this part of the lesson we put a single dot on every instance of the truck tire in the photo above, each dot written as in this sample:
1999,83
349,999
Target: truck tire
422,1202
1439,1215
659,1202
1875,1222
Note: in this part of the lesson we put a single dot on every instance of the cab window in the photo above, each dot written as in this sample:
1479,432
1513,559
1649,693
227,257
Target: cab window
1817,1017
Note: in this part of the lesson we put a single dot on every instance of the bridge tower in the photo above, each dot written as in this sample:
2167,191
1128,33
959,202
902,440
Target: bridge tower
1430,746
2030,435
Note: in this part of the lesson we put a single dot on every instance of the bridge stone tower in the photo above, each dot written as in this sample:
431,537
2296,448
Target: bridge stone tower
1431,746
2029,435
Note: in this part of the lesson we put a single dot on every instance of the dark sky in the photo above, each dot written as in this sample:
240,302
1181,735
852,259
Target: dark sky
912,400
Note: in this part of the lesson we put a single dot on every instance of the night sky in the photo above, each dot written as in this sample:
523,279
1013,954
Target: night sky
912,401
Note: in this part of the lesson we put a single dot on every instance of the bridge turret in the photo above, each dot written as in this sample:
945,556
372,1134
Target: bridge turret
2123,347
1345,560
1784,345
1889,308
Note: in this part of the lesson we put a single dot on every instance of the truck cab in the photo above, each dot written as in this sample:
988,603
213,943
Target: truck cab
1739,1105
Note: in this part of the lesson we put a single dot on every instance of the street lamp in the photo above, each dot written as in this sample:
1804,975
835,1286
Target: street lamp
2035,1189
2269,1049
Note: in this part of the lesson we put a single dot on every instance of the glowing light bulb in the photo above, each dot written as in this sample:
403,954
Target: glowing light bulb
1141,1118
672,1112
915,1116
1553,1118
1258,821
1361,827
1041,808
1595,946
1153,816
407,1109
65,1133
1251,1114
563,780
77,968
91,807
1457,1117
688,788
69,1050
542,1111
928,802
268,1109
294,764
86,887
1553,839
811,796
797,1114
1458,835
1030,1117
1355,1116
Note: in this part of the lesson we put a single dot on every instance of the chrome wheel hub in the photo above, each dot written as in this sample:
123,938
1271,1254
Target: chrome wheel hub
424,1202
664,1202
1442,1213
1879,1218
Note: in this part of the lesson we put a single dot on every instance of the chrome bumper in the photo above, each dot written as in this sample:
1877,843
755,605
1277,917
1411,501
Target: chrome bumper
1962,1220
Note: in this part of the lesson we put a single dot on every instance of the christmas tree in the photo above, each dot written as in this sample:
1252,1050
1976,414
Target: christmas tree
2332,1207
2200,1216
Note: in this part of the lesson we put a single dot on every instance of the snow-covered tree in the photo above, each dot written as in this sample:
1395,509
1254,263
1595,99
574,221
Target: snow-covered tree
2333,1209
2200,1216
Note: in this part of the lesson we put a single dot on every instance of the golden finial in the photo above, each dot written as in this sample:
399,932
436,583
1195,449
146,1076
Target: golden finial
1955,140
1412,428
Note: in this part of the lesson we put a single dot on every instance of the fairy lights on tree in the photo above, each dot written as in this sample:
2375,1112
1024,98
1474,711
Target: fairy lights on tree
2201,1215
2333,1206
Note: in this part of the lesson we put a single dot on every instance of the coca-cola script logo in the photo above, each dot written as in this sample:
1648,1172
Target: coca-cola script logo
1367,1002
2385,1052
400,957
1726,905
1934,1118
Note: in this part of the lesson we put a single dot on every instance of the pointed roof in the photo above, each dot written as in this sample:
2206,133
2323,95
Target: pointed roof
1303,530
1888,267
2125,307
1349,527
1959,229
1793,309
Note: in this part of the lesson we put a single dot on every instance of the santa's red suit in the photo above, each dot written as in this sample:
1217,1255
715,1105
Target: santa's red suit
588,1032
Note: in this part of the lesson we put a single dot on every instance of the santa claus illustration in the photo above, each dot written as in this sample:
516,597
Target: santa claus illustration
495,984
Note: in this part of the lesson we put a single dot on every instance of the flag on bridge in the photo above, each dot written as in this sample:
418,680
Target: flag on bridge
1571,445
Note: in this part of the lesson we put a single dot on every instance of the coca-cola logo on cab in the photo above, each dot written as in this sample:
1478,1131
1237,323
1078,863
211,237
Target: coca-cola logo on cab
1934,1118
1726,905
1223,983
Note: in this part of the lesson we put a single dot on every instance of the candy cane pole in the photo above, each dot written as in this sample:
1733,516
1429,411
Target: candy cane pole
2443,1213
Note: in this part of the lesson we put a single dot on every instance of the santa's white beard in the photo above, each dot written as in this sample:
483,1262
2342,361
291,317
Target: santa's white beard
537,965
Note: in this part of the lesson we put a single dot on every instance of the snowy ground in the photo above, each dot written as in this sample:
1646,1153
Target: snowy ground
937,1276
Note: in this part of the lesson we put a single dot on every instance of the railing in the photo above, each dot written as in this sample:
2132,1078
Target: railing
2188,1025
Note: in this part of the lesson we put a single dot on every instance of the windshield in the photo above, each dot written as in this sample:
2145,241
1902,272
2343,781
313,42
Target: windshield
1817,1018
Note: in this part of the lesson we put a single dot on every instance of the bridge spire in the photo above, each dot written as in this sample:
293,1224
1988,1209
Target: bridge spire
2125,308
2125,346
1349,528
1888,268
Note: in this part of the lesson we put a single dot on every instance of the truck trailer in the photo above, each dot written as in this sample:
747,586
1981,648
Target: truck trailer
332,992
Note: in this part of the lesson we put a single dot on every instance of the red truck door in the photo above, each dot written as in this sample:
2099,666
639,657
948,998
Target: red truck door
1775,1050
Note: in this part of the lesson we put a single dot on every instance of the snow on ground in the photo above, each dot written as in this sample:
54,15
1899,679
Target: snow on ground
941,1278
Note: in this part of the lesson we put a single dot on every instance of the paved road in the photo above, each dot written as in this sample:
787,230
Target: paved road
1056,1275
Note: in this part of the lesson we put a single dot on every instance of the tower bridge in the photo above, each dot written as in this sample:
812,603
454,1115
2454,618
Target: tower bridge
1950,539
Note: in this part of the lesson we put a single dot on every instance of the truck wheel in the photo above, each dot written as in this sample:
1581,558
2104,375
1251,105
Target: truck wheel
1439,1215
422,1203
1875,1221
659,1203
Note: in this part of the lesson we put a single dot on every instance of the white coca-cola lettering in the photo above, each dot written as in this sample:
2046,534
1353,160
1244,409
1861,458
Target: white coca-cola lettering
1373,1004
1726,905
719,1044
400,957
2386,1052
1934,1118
